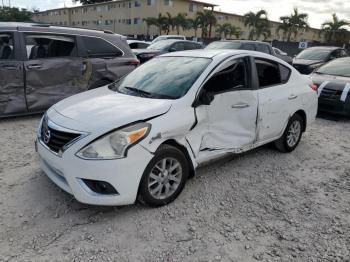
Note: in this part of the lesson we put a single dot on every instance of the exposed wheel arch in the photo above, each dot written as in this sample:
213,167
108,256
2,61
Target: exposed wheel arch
184,150
302,114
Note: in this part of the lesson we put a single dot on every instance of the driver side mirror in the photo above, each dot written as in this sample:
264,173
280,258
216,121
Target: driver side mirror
172,49
204,98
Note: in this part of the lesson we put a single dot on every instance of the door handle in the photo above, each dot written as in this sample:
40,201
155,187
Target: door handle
240,106
34,66
292,97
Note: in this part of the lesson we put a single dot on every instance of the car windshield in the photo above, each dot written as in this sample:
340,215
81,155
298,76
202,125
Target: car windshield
162,77
224,45
314,54
338,67
160,45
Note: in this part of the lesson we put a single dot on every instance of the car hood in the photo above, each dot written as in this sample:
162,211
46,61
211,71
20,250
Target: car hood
335,82
105,109
306,62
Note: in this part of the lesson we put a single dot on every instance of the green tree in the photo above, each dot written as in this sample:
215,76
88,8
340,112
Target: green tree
334,30
160,22
235,31
294,23
180,21
14,14
149,22
195,24
259,24
223,29
284,27
207,21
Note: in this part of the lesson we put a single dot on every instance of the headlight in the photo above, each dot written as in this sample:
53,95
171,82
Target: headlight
116,143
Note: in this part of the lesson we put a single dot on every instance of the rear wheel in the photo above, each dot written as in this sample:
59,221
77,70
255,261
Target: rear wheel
164,177
292,134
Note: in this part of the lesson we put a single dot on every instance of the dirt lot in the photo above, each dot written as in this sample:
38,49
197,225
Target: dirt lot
261,206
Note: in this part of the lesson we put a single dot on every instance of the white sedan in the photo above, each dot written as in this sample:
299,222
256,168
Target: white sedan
146,134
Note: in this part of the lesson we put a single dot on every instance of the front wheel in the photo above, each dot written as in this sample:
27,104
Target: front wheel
164,177
292,135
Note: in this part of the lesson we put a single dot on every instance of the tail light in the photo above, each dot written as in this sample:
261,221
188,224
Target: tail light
134,62
314,87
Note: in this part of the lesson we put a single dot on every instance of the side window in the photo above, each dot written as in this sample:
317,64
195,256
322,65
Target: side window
178,46
48,46
233,76
263,48
248,47
285,73
268,73
97,47
6,46
143,45
191,46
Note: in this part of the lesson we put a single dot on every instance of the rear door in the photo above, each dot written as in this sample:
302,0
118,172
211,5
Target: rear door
276,97
53,69
12,98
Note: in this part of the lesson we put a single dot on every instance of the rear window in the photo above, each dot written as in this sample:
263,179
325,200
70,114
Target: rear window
97,47
263,48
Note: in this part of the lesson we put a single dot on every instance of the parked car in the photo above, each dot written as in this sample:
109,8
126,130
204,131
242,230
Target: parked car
243,45
165,46
167,37
311,58
137,44
148,132
282,55
333,81
42,64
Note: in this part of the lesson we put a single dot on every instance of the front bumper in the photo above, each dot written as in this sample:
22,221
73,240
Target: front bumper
334,106
68,172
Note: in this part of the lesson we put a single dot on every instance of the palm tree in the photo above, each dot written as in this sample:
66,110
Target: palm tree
207,19
149,22
160,22
284,27
236,31
334,29
180,21
195,24
223,29
169,23
259,24
295,22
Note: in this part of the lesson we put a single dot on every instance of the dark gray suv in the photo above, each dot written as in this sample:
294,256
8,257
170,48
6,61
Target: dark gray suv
42,64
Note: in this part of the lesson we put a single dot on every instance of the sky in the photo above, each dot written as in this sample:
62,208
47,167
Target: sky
319,10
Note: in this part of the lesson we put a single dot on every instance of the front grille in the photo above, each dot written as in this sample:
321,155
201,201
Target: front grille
55,139
331,94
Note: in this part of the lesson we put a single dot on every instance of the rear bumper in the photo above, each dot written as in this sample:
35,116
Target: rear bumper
68,172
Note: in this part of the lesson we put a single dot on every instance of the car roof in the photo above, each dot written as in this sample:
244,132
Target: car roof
171,36
40,27
325,47
205,53
244,41
136,41
170,41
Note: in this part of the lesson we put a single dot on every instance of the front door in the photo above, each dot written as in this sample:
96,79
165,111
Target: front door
12,98
53,70
229,121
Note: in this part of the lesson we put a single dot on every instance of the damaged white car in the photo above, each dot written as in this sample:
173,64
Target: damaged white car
146,134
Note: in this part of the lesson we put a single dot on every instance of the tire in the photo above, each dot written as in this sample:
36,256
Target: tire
288,142
155,183
99,83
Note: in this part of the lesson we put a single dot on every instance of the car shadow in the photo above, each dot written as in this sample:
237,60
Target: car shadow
332,117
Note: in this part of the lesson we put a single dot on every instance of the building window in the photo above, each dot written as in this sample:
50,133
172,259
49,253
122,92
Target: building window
193,7
137,21
168,2
137,3
151,2
129,4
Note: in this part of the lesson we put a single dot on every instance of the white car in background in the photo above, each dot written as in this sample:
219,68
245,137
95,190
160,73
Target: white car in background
166,37
147,133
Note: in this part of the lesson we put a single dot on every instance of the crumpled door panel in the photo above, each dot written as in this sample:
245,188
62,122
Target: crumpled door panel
51,80
12,99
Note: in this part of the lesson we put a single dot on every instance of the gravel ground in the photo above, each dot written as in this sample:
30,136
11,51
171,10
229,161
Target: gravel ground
260,206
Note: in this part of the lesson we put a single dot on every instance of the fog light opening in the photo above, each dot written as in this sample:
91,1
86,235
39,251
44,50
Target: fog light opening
100,187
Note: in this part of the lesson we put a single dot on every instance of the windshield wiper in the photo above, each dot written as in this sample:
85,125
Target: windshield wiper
140,92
